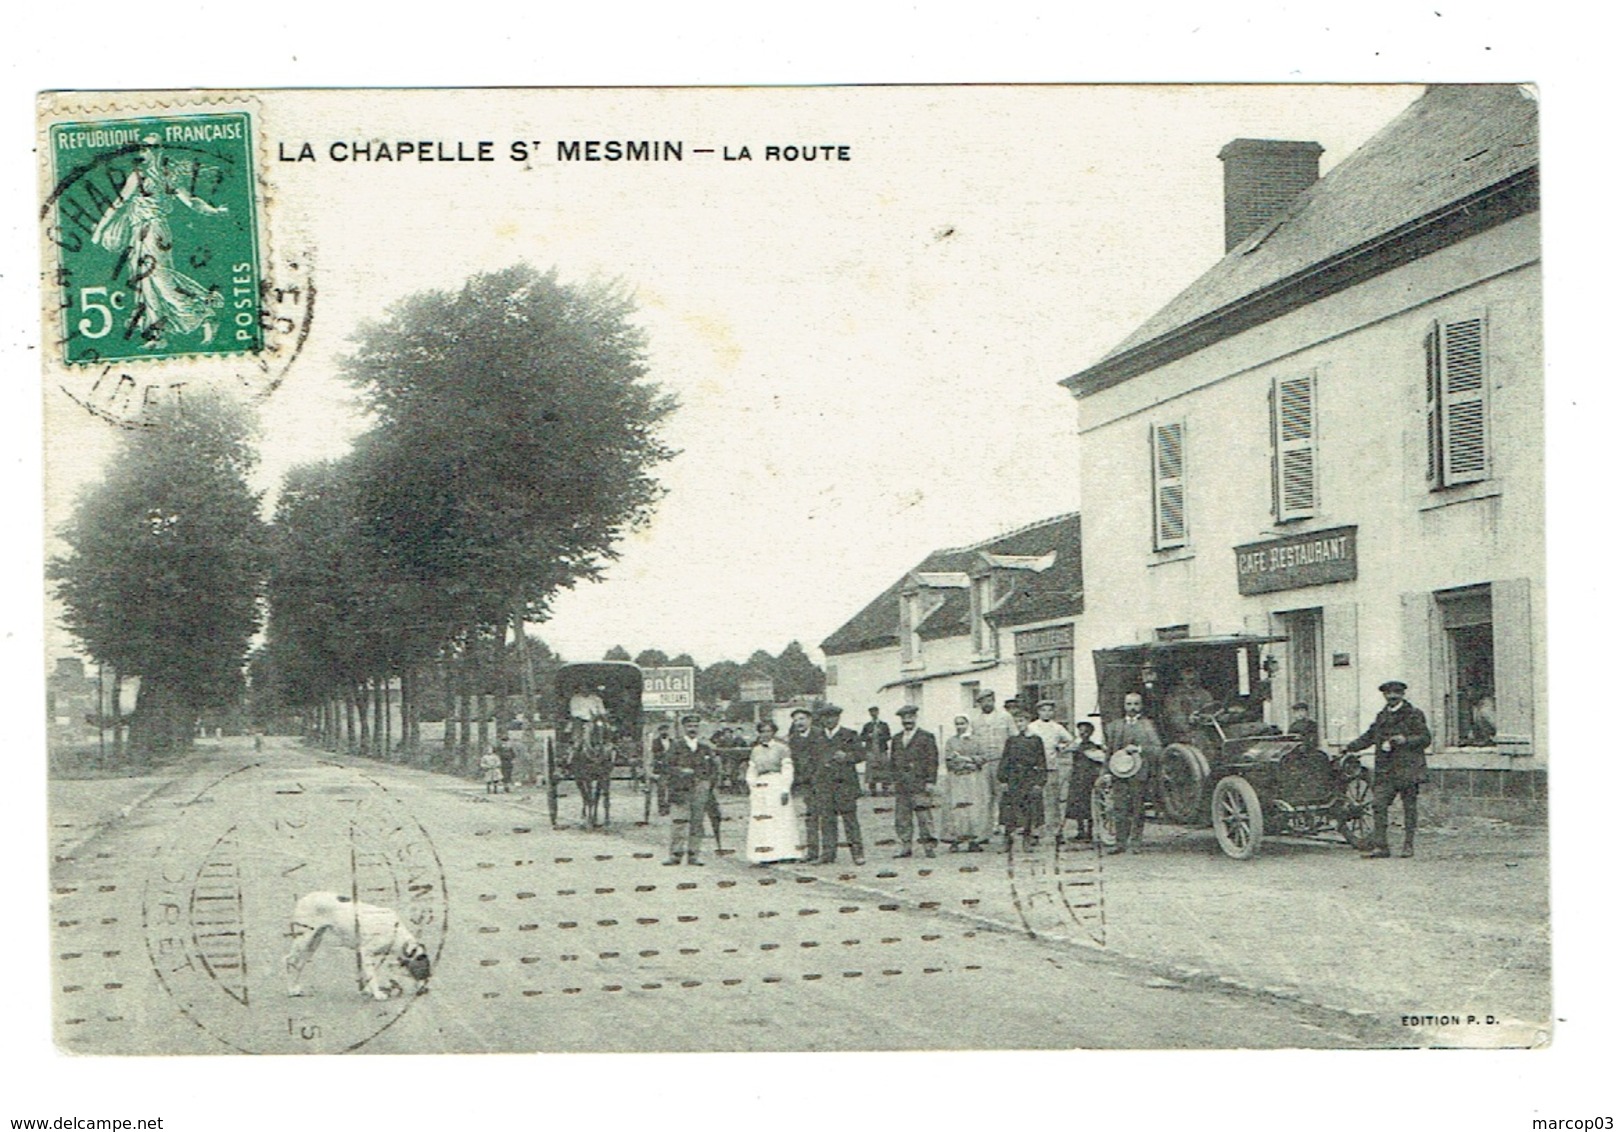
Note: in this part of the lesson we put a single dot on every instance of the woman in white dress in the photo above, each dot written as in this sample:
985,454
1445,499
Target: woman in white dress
773,833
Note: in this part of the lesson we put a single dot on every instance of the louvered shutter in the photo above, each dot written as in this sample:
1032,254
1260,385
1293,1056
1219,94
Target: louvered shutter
1167,459
1296,481
1465,400
1434,409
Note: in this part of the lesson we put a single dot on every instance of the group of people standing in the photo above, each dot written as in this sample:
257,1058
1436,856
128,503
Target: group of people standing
818,763
1003,769
1000,770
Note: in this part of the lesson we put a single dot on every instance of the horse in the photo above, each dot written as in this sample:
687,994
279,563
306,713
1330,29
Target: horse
592,766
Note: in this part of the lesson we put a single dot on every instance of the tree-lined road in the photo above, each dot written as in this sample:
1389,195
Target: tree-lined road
170,929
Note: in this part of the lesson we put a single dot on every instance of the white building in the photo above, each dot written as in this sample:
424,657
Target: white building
999,614
1336,435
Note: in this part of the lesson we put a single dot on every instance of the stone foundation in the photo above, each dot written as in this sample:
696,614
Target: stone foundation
1509,795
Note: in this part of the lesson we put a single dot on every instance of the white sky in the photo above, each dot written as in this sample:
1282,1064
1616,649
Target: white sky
857,386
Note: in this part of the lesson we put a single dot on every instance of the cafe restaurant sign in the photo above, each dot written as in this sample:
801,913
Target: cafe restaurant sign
1298,560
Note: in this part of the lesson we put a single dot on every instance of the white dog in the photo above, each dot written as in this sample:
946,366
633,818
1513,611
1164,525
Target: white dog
374,933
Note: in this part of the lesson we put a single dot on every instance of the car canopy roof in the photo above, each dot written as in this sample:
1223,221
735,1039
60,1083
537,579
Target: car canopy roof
615,674
1120,653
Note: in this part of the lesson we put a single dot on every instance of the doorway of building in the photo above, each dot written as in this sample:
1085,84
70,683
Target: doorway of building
1303,630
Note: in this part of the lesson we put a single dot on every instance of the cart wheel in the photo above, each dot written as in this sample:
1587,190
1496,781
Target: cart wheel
1184,771
1104,810
1358,827
1237,817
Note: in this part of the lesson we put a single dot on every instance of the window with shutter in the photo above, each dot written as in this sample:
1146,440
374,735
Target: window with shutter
907,625
1296,480
982,598
1434,410
1457,402
1168,471
1465,400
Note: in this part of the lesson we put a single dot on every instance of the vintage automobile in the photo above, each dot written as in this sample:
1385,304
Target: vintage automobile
599,734
1220,761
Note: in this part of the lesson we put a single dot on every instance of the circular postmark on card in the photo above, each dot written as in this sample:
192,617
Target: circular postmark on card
161,276
217,909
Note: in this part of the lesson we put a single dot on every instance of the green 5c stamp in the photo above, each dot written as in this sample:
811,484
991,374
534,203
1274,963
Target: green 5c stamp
162,274
157,237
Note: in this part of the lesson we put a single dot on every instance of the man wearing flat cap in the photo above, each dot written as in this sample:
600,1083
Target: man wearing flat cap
1400,738
693,768
875,736
1057,748
914,761
834,752
989,728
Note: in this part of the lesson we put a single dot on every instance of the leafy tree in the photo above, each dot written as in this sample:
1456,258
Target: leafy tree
652,658
516,437
797,675
515,441
719,682
165,566
618,652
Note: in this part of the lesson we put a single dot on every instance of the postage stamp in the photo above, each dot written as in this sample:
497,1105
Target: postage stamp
796,569
161,277
157,234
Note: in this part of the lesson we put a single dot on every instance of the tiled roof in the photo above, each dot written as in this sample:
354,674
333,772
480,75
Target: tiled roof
949,619
1453,143
1055,592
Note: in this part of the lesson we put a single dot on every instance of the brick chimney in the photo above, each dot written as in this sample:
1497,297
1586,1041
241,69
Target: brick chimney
1260,178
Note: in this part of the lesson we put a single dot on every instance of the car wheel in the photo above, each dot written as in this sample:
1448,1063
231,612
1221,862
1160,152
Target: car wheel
1104,810
1358,827
1184,771
1237,817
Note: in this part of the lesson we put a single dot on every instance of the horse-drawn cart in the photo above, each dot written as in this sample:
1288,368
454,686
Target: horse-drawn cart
598,735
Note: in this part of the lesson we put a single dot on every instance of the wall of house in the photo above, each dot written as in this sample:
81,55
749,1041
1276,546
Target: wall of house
860,675
1365,349
941,678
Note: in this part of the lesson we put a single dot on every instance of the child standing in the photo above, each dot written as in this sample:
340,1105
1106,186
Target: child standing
1022,771
491,763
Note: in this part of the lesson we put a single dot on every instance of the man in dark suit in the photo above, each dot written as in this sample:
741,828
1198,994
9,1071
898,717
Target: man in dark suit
1400,737
914,761
834,752
876,748
799,740
1134,731
655,770
692,768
